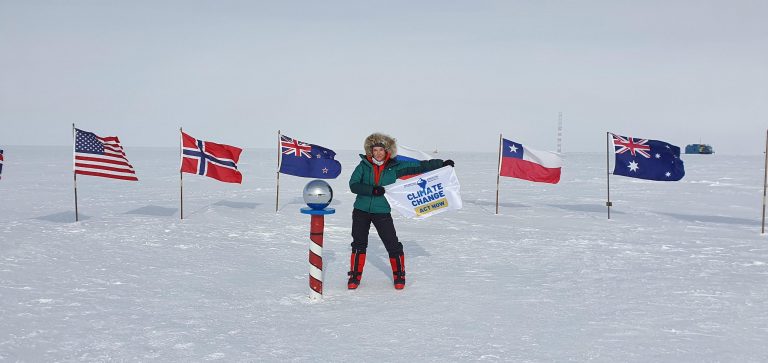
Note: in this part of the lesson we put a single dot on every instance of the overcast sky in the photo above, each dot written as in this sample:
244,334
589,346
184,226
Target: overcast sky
434,74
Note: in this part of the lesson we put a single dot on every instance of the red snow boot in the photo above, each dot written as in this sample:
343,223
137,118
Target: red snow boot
356,263
398,271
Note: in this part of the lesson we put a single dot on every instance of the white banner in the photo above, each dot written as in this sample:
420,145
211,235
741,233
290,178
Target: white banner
427,194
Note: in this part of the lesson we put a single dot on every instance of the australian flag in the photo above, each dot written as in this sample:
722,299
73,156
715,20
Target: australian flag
647,159
307,160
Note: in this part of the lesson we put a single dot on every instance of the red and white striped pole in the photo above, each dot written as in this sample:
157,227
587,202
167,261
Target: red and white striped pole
316,227
316,257
318,195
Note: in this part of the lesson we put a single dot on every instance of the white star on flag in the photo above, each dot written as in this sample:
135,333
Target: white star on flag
513,148
658,156
668,174
633,166
325,170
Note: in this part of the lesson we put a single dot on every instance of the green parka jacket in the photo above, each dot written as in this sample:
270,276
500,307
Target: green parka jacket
362,181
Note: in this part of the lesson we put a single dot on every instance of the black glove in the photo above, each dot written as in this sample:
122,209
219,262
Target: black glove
448,162
378,191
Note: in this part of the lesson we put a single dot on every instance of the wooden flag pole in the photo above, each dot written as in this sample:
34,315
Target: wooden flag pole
277,194
181,174
765,179
74,173
498,173
607,171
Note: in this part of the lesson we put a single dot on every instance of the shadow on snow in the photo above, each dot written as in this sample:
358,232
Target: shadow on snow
377,256
237,205
591,208
485,203
154,210
62,217
712,219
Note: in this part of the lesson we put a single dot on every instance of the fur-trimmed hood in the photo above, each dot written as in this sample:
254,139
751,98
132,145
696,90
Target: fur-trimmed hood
390,144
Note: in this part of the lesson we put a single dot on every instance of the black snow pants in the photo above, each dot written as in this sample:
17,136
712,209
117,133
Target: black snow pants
385,227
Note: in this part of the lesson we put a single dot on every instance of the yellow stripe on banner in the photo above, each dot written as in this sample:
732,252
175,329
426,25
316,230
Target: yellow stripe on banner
431,207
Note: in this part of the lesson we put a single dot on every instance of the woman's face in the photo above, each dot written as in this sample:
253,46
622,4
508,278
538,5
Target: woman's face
379,153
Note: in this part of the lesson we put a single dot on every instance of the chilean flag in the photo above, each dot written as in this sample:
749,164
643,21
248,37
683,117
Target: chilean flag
217,161
518,161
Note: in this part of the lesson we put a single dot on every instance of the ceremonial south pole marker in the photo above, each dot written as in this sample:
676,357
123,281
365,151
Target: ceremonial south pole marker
318,195
316,227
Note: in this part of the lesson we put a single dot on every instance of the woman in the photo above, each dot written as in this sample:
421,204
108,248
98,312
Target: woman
378,168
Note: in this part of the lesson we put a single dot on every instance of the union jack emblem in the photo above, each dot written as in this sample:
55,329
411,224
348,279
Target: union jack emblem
295,147
624,144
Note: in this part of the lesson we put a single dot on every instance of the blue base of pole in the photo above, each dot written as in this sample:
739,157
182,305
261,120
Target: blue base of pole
325,211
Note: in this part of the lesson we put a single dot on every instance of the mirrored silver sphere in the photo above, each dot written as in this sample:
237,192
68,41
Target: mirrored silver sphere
318,194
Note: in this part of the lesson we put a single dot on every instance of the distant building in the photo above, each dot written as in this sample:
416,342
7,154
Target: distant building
699,149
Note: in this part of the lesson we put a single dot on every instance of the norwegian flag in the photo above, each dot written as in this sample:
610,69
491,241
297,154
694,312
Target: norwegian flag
647,159
217,161
101,156
307,160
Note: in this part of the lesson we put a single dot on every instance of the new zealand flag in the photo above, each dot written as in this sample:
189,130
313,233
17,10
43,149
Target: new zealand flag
647,159
307,160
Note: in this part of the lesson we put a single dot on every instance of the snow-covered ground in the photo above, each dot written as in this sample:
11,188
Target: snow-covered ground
680,272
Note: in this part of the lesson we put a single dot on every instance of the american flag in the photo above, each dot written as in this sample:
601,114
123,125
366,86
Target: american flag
101,156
